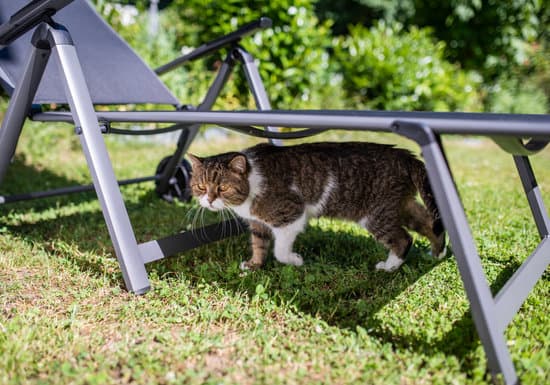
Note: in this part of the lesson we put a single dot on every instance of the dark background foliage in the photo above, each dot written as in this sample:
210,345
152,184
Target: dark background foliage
462,55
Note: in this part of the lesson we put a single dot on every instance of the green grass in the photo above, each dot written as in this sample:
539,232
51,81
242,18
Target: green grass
65,318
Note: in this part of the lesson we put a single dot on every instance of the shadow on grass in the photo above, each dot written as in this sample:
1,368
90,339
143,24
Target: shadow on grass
338,282
73,219
460,341
21,179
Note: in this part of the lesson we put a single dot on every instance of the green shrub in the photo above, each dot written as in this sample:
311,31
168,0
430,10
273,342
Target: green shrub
541,68
490,36
515,96
385,67
292,56
526,87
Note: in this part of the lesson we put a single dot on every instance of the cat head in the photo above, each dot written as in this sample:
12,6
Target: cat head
220,181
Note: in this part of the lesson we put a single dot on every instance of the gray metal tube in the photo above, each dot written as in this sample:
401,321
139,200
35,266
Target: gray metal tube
257,87
19,106
529,126
114,211
514,293
533,194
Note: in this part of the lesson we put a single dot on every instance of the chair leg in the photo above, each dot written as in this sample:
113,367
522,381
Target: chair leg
454,218
533,194
108,192
256,87
19,106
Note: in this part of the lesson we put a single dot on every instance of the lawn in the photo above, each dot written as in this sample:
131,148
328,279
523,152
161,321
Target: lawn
65,318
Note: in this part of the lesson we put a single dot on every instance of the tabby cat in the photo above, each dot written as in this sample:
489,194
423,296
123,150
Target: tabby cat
277,188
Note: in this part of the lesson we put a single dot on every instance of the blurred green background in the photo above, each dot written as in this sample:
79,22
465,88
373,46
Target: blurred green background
450,55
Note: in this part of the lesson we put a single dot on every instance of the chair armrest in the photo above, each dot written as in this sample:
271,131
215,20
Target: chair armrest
29,17
214,45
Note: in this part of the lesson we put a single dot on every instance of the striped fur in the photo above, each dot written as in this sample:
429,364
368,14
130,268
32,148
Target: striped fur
277,189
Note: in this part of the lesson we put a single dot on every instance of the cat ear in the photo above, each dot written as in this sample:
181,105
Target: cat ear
195,160
238,164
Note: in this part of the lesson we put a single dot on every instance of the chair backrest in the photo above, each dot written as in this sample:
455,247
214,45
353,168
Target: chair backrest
114,73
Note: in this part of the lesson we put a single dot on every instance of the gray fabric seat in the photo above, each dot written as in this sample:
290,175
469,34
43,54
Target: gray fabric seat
114,73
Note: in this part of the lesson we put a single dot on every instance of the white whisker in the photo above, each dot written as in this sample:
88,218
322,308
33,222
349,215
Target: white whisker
223,219
236,220
196,221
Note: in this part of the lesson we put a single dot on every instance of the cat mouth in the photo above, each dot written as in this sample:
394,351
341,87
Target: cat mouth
215,205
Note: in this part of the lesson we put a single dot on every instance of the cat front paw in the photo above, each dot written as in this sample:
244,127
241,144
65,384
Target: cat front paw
292,259
250,265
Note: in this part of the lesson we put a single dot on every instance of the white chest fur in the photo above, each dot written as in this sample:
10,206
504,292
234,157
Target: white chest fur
255,181
243,210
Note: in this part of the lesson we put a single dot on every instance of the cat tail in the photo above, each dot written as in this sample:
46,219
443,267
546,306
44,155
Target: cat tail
419,177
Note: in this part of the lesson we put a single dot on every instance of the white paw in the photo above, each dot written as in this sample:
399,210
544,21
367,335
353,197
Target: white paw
440,255
249,266
292,259
390,264
243,266
382,266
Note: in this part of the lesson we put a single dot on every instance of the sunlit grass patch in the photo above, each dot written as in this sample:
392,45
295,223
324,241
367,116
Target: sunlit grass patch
65,318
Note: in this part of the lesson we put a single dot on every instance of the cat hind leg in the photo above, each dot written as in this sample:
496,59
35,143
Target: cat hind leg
399,243
418,219
394,261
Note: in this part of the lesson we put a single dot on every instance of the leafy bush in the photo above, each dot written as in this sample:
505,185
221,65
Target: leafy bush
364,12
385,67
292,56
513,96
488,36
491,36
541,68
526,87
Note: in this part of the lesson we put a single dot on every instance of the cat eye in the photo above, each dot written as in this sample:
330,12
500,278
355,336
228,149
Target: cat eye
201,186
224,187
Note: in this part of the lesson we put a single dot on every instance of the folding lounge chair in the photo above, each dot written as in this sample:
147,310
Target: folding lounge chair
41,55
91,65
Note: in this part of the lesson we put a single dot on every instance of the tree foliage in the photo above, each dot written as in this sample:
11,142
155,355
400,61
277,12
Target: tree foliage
345,13
386,67
490,36
292,56
333,54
